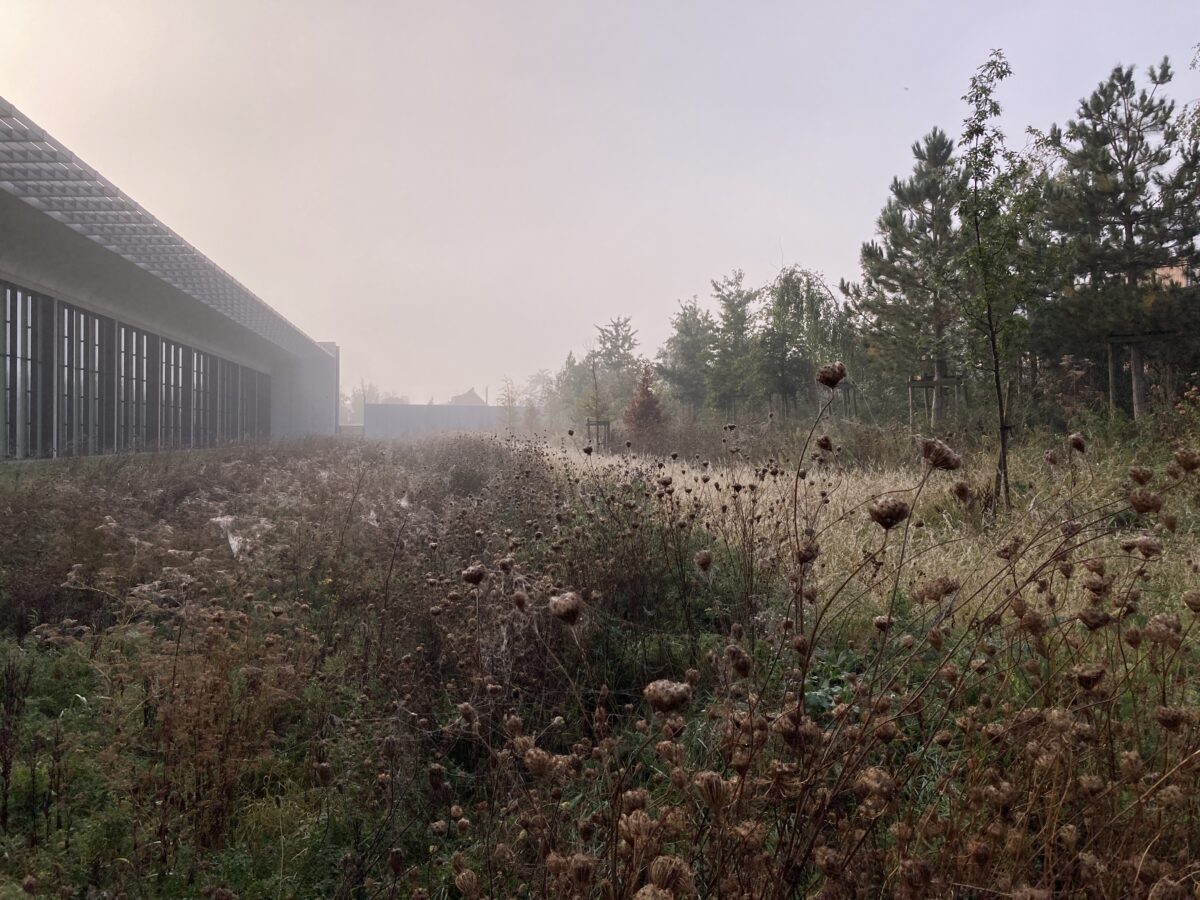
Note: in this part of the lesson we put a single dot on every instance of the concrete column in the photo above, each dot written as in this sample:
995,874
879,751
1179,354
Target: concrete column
108,385
186,391
154,390
4,365
47,336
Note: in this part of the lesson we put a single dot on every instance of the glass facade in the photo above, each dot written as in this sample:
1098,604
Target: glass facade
75,383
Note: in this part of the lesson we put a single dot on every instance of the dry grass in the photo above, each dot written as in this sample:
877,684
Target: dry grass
483,668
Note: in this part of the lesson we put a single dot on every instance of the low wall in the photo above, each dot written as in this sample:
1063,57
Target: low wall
401,420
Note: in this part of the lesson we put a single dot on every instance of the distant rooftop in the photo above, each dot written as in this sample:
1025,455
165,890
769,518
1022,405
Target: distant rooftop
470,398
46,175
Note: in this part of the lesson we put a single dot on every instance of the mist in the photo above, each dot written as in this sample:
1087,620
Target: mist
457,192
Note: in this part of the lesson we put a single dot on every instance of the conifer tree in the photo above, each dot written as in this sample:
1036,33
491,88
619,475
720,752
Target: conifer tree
644,416
908,302
733,383
1125,208
686,359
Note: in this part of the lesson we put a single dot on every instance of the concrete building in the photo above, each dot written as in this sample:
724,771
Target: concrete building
119,335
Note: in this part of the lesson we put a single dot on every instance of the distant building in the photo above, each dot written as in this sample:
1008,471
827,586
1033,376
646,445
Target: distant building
465,412
470,398
1173,276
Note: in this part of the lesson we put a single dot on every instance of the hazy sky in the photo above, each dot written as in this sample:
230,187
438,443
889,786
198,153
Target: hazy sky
456,191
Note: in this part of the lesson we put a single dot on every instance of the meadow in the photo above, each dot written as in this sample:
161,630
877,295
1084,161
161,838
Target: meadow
825,663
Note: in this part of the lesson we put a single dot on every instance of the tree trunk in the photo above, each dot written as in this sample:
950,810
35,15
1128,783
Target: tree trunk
1001,489
1137,372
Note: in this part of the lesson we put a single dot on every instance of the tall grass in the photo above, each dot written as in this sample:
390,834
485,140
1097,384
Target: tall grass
477,667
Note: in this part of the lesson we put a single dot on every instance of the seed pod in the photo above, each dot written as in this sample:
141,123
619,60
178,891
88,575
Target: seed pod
1144,501
474,574
1172,718
1187,459
831,375
888,512
395,860
566,607
939,455
666,696
1141,475
1089,676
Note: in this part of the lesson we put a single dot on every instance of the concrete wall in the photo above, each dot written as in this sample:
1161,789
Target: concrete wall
401,420
304,396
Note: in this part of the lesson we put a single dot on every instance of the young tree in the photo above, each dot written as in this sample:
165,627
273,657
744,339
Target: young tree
644,416
732,381
796,329
509,400
1126,210
1004,262
613,366
572,384
685,361
616,344
909,299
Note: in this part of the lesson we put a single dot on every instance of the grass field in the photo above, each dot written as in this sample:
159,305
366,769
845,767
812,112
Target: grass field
477,667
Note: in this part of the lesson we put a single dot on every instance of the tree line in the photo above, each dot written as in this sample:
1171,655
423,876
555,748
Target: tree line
1060,273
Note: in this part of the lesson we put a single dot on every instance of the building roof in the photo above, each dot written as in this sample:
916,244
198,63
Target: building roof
470,398
46,175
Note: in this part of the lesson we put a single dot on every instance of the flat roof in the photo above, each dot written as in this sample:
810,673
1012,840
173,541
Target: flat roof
47,176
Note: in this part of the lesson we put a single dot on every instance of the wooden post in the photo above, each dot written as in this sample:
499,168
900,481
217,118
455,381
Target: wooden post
910,405
1137,374
1112,380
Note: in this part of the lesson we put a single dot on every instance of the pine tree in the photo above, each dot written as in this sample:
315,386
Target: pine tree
612,367
685,361
1125,207
909,299
733,384
644,416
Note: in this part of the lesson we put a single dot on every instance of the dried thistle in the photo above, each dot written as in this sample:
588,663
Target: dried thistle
888,512
938,455
566,607
667,696
831,375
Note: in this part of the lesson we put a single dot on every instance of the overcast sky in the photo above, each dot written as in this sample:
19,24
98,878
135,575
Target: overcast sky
456,191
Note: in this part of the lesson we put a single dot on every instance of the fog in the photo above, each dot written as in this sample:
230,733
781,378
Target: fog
455,192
